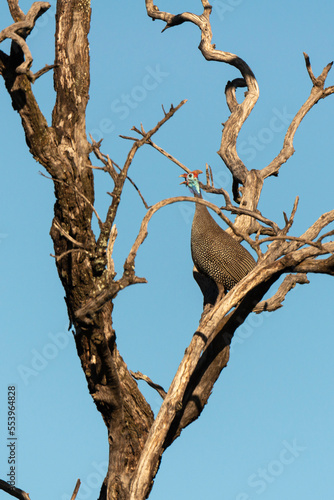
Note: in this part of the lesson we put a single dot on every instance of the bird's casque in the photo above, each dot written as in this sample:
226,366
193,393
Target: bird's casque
215,253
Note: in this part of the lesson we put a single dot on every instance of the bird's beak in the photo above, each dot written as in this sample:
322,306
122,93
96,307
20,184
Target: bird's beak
185,176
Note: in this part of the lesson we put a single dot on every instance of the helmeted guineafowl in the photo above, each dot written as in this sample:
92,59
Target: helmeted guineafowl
214,252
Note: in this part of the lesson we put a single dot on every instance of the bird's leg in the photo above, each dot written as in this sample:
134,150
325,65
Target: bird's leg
221,292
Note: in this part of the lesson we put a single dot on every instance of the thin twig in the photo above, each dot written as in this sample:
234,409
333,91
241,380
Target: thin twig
89,203
111,242
207,174
59,257
309,68
330,233
76,489
256,215
128,137
162,151
291,238
140,376
211,176
169,156
109,165
65,233
289,222
138,191
110,168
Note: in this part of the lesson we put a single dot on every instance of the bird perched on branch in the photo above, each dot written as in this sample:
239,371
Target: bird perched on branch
215,253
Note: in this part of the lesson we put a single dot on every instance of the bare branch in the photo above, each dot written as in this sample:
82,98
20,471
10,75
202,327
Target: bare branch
139,192
15,10
211,175
230,92
207,175
13,491
65,233
140,376
111,242
309,69
303,241
59,257
128,138
275,302
76,490
109,166
256,215
326,235
312,232
277,248
109,292
107,162
317,266
19,31
318,92
168,155
289,222
42,71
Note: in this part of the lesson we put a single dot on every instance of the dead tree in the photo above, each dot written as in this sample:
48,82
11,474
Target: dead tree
85,262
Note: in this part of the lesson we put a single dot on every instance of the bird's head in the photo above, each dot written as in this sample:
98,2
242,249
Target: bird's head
191,180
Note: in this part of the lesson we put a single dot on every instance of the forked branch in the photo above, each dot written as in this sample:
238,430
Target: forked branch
19,31
275,302
318,92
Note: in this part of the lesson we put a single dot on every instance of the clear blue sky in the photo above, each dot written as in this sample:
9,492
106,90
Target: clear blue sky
267,431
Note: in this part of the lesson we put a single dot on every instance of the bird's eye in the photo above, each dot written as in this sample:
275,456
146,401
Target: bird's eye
191,176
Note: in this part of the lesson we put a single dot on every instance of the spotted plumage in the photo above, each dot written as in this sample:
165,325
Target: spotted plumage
214,252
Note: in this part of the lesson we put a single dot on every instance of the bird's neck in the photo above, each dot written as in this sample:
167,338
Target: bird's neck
201,212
